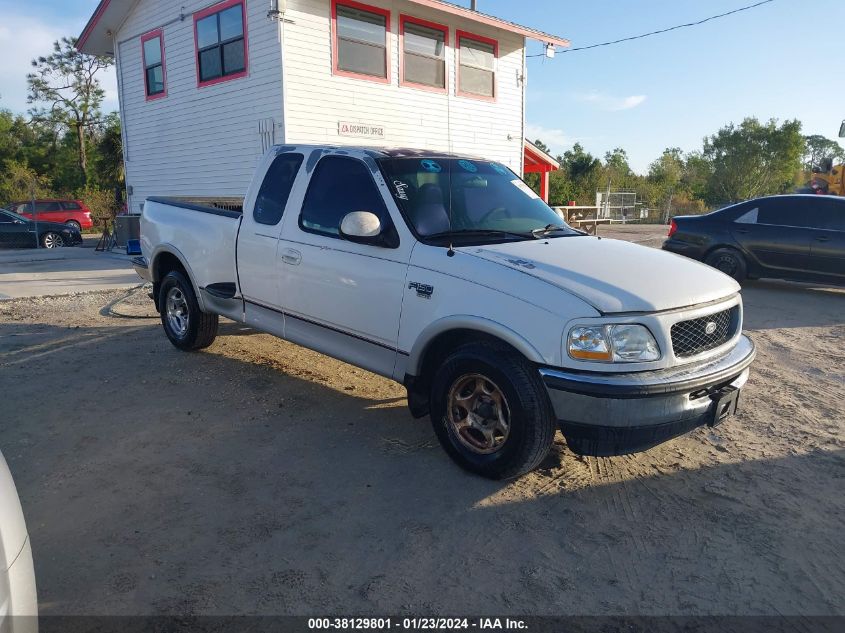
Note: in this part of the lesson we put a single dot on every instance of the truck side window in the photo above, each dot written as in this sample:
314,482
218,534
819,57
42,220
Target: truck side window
275,190
340,186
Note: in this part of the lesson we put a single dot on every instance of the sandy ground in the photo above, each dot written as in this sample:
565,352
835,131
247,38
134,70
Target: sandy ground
260,478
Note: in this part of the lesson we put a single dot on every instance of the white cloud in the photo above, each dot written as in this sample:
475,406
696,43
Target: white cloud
610,103
22,39
557,140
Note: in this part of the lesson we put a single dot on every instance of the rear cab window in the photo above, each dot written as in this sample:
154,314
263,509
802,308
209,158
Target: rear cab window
275,190
71,206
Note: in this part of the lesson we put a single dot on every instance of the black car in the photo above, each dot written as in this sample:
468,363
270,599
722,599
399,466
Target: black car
18,232
797,237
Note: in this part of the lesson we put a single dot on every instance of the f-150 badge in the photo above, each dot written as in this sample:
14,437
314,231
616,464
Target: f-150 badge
423,290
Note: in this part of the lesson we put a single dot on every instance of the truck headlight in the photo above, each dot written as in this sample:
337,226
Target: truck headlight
613,343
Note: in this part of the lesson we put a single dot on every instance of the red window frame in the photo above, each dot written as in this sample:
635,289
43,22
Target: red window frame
459,35
405,19
388,31
204,13
158,33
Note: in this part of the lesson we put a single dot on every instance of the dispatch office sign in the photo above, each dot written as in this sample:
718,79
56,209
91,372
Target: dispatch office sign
361,130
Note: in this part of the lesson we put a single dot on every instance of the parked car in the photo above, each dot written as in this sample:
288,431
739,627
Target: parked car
71,212
17,575
797,237
17,231
451,276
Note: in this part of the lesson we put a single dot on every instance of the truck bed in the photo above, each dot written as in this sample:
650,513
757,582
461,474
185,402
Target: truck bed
204,238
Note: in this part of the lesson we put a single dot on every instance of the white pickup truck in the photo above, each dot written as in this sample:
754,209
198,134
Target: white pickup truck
449,275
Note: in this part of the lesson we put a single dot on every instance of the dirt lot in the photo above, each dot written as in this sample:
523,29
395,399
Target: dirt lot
261,478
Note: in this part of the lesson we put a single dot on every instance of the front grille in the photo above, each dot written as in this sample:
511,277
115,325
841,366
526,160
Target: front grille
690,337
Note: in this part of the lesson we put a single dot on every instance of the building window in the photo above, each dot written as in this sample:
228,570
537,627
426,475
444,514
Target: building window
477,66
221,42
360,40
152,51
423,53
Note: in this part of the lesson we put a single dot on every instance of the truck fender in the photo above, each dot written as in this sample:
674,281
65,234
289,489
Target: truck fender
169,249
468,322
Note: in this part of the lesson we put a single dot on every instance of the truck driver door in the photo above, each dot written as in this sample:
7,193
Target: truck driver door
341,297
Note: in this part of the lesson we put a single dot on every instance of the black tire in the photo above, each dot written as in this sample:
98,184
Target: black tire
531,420
729,261
51,239
74,225
199,329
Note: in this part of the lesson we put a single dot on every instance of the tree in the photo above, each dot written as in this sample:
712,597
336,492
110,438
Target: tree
18,183
67,83
665,175
110,153
819,149
617,162
542,146
753,159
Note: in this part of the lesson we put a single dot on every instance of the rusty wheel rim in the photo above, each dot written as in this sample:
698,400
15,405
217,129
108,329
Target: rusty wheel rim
478,414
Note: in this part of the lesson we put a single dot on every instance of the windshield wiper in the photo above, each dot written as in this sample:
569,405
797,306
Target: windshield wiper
553,228
470,233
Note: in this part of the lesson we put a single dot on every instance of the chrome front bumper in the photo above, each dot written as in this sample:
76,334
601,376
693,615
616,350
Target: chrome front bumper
615,414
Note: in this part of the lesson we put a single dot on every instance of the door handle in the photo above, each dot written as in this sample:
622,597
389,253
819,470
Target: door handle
291,257
822,238
742,231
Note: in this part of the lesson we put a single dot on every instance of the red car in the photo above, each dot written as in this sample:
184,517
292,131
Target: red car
74,213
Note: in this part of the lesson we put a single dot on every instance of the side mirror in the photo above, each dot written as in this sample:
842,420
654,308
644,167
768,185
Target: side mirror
842,130
364,227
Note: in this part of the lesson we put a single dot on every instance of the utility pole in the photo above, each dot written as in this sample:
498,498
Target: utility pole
34,214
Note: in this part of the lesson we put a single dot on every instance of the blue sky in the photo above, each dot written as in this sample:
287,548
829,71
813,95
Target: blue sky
644,96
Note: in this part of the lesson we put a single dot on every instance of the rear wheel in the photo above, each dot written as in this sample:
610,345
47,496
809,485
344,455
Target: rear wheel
187,327
729,261
52,240
74,225
491,412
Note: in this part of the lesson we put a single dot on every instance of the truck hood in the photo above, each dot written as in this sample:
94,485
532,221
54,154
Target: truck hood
612,275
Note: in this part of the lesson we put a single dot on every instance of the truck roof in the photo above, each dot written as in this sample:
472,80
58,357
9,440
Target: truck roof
377,152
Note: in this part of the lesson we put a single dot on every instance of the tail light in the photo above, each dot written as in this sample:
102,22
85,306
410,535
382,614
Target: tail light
673,228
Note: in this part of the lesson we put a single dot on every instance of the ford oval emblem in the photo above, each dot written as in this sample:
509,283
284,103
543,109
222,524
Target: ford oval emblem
710,328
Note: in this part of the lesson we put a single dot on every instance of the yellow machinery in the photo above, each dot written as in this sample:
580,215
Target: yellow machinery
829,178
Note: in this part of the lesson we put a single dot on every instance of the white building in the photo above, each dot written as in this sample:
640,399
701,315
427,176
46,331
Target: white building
205,88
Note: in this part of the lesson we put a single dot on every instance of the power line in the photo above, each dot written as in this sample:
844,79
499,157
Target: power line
672,28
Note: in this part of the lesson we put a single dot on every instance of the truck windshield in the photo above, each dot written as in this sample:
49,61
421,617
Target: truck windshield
450,197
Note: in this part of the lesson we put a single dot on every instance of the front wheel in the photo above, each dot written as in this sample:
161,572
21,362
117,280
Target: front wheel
52,240
491,412
187,327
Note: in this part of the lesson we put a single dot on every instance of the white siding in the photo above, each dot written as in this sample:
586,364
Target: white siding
195,141
316,100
